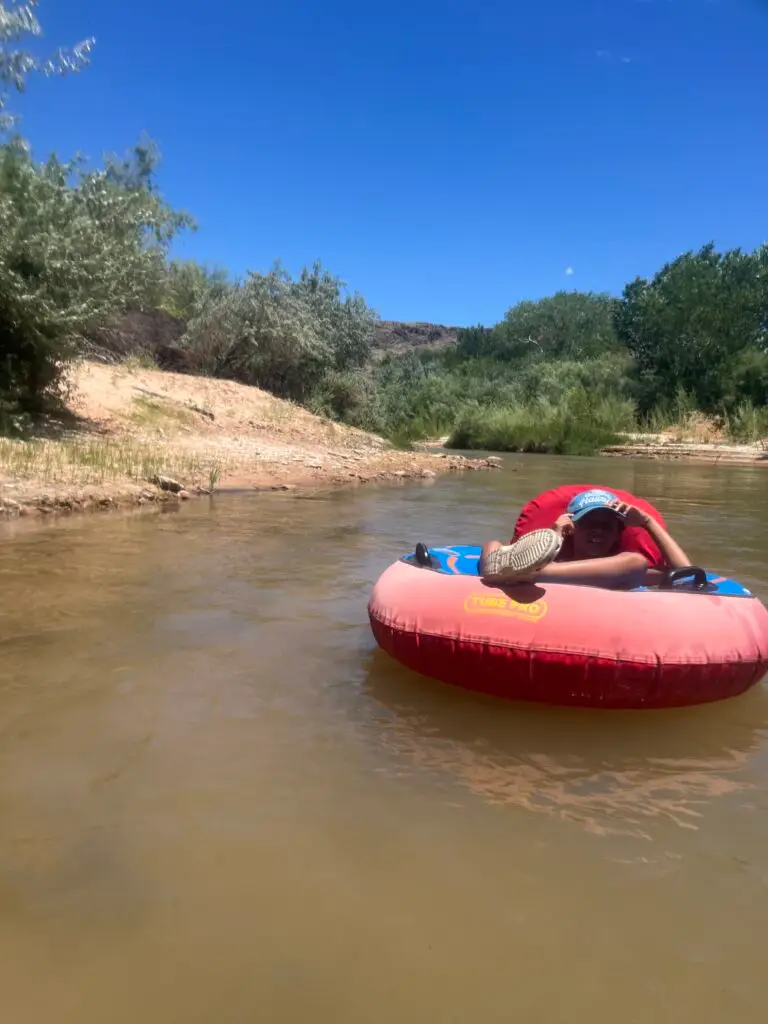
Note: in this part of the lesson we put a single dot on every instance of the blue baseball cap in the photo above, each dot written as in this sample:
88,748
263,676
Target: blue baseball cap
589,501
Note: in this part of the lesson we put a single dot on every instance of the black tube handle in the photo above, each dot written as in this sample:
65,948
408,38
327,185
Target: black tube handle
422,556
695,572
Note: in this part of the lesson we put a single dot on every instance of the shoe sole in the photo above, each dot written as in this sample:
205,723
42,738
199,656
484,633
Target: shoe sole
523,558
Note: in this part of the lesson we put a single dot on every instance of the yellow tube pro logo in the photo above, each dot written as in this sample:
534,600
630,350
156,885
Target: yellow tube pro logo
478,603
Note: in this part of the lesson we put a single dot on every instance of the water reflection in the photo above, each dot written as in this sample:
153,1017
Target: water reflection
612,772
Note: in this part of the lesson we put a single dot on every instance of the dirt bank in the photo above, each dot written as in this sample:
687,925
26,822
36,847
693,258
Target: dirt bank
140,436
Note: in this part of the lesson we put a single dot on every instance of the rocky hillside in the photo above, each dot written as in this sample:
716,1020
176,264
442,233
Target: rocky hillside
393,338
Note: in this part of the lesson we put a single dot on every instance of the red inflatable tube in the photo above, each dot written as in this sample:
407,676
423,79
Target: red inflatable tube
563,644
571,645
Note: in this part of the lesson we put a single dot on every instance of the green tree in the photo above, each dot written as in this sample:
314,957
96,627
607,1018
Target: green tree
566,325
76,246
18,22
473,342
189,288
690,327
345,321
746,379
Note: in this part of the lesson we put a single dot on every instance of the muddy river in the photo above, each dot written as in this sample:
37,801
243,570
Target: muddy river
219,804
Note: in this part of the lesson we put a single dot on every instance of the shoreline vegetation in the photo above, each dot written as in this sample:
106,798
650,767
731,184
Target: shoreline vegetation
670,446
136,437
87,273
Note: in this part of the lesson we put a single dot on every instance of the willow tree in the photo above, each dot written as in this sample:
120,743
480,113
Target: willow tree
77,245
282,334
18,25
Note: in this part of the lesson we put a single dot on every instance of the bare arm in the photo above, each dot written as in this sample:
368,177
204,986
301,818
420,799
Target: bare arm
622,571
673,554
619,572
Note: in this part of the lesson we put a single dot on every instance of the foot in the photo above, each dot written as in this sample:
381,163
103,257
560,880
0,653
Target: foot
519,562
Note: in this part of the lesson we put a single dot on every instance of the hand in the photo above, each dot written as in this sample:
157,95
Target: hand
563,525
631,515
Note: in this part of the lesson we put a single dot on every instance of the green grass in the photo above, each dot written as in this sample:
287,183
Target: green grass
582,429
86,462
140,361
748,424
419,428
154,413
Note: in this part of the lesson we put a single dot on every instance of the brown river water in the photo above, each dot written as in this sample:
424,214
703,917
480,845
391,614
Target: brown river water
220,804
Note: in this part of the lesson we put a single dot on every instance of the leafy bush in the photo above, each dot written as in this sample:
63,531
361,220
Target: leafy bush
188,288
476,341
425,395
349,397
75,247
281,334
748,423
554,380
746,380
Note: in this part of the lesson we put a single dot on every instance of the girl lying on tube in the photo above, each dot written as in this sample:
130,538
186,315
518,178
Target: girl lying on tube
583,546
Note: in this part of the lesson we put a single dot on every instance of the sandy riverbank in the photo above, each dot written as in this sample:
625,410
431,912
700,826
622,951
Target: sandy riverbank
672,446
139,436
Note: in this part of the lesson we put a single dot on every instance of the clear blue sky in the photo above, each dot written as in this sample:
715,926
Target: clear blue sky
446,158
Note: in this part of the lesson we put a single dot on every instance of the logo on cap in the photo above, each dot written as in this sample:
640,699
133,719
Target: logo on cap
588,501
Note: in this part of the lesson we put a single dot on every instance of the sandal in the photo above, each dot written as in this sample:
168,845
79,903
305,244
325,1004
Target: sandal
518,562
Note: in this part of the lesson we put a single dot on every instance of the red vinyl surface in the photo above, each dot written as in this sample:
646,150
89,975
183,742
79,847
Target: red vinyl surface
570,645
